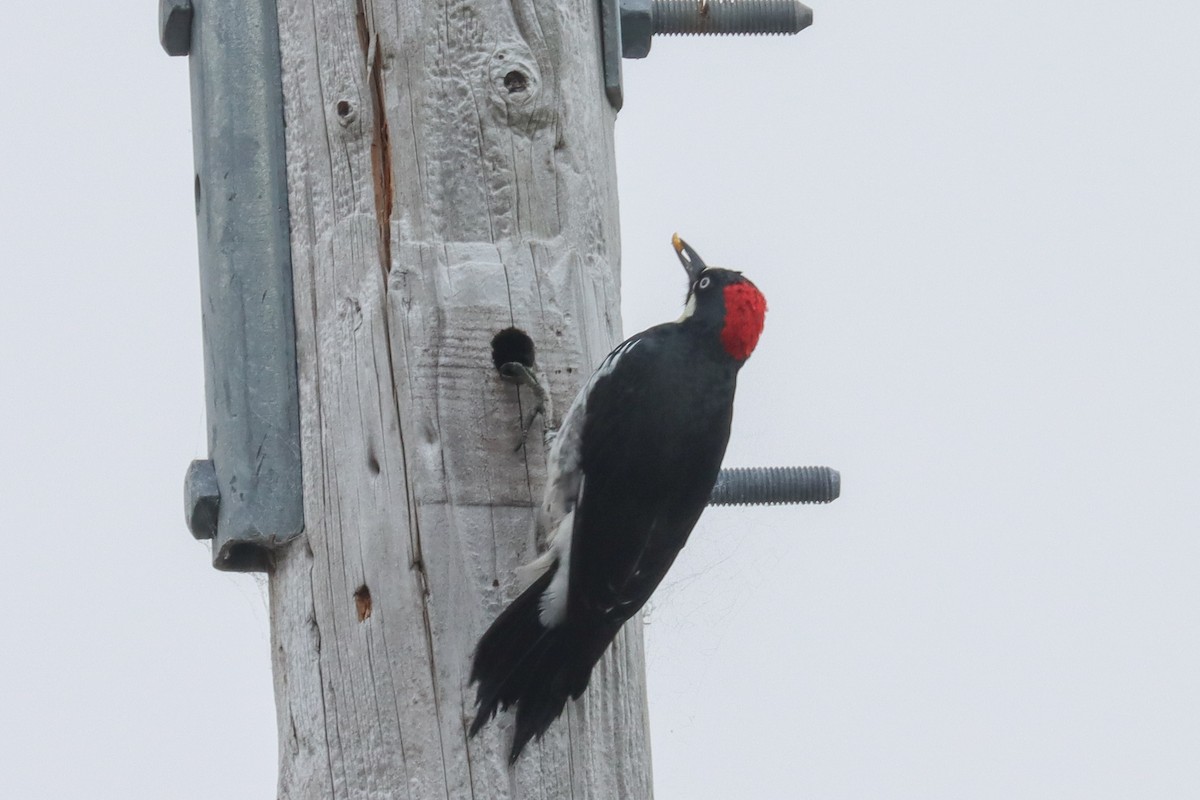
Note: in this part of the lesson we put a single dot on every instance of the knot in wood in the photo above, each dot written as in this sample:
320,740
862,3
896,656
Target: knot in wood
517,87
346,112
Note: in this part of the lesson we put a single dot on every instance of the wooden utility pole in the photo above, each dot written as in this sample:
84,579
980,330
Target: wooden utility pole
450,173
381,187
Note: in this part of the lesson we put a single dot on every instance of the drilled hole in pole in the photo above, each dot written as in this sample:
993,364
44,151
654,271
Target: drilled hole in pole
512,345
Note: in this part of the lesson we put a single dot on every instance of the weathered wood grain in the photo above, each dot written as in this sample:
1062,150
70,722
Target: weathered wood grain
450,173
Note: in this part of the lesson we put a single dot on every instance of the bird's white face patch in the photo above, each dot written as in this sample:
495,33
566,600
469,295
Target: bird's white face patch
689,309
703,282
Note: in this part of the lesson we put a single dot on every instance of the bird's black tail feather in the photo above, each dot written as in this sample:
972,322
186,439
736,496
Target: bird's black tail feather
520,662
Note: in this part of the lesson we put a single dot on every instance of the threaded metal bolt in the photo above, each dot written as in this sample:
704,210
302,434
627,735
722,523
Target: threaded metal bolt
642,19
758,486
730,16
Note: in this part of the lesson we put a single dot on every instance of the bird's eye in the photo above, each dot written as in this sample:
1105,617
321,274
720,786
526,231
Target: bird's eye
704,283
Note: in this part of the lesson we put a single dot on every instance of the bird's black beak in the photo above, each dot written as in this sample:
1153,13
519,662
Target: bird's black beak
690,259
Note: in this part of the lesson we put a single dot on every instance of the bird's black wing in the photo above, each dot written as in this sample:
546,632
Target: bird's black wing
651,448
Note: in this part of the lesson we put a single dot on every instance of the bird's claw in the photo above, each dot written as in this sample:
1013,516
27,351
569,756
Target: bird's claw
540,408
522,375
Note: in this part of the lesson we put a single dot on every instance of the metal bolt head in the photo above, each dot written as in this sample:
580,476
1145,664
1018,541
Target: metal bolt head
637,28
201,498
175,26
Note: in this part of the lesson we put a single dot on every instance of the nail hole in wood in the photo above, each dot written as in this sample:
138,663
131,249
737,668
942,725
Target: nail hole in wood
362,602
343,108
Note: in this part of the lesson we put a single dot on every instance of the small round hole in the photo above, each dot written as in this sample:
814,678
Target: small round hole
343,108
512,344
516,81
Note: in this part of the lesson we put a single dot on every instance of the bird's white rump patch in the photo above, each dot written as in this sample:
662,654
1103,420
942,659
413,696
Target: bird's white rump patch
552,609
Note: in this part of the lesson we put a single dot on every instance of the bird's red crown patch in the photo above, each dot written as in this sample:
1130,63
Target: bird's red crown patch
745,311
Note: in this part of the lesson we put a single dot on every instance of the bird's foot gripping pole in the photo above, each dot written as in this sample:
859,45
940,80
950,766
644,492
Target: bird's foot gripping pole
513,355
736,486
521,375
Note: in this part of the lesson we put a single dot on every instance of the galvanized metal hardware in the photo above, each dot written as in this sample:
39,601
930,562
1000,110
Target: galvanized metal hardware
201,498
247,495
719,17
175,26
610,51
627,26
766,486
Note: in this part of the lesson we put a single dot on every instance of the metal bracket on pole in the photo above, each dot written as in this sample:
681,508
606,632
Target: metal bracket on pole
610,48
247,496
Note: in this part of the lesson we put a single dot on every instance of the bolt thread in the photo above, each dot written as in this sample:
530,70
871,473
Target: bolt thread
729,16
765,486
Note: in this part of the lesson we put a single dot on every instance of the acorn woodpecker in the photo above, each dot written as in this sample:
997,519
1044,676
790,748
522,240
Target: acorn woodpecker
629,473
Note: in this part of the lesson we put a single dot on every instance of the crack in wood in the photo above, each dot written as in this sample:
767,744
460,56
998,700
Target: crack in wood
316,633
381,143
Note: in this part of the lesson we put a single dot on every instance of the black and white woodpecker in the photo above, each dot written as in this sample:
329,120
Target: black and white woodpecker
629,473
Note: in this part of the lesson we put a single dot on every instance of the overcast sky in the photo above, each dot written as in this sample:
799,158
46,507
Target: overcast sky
978,229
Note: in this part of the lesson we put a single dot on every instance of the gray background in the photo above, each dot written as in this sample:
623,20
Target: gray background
977,228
